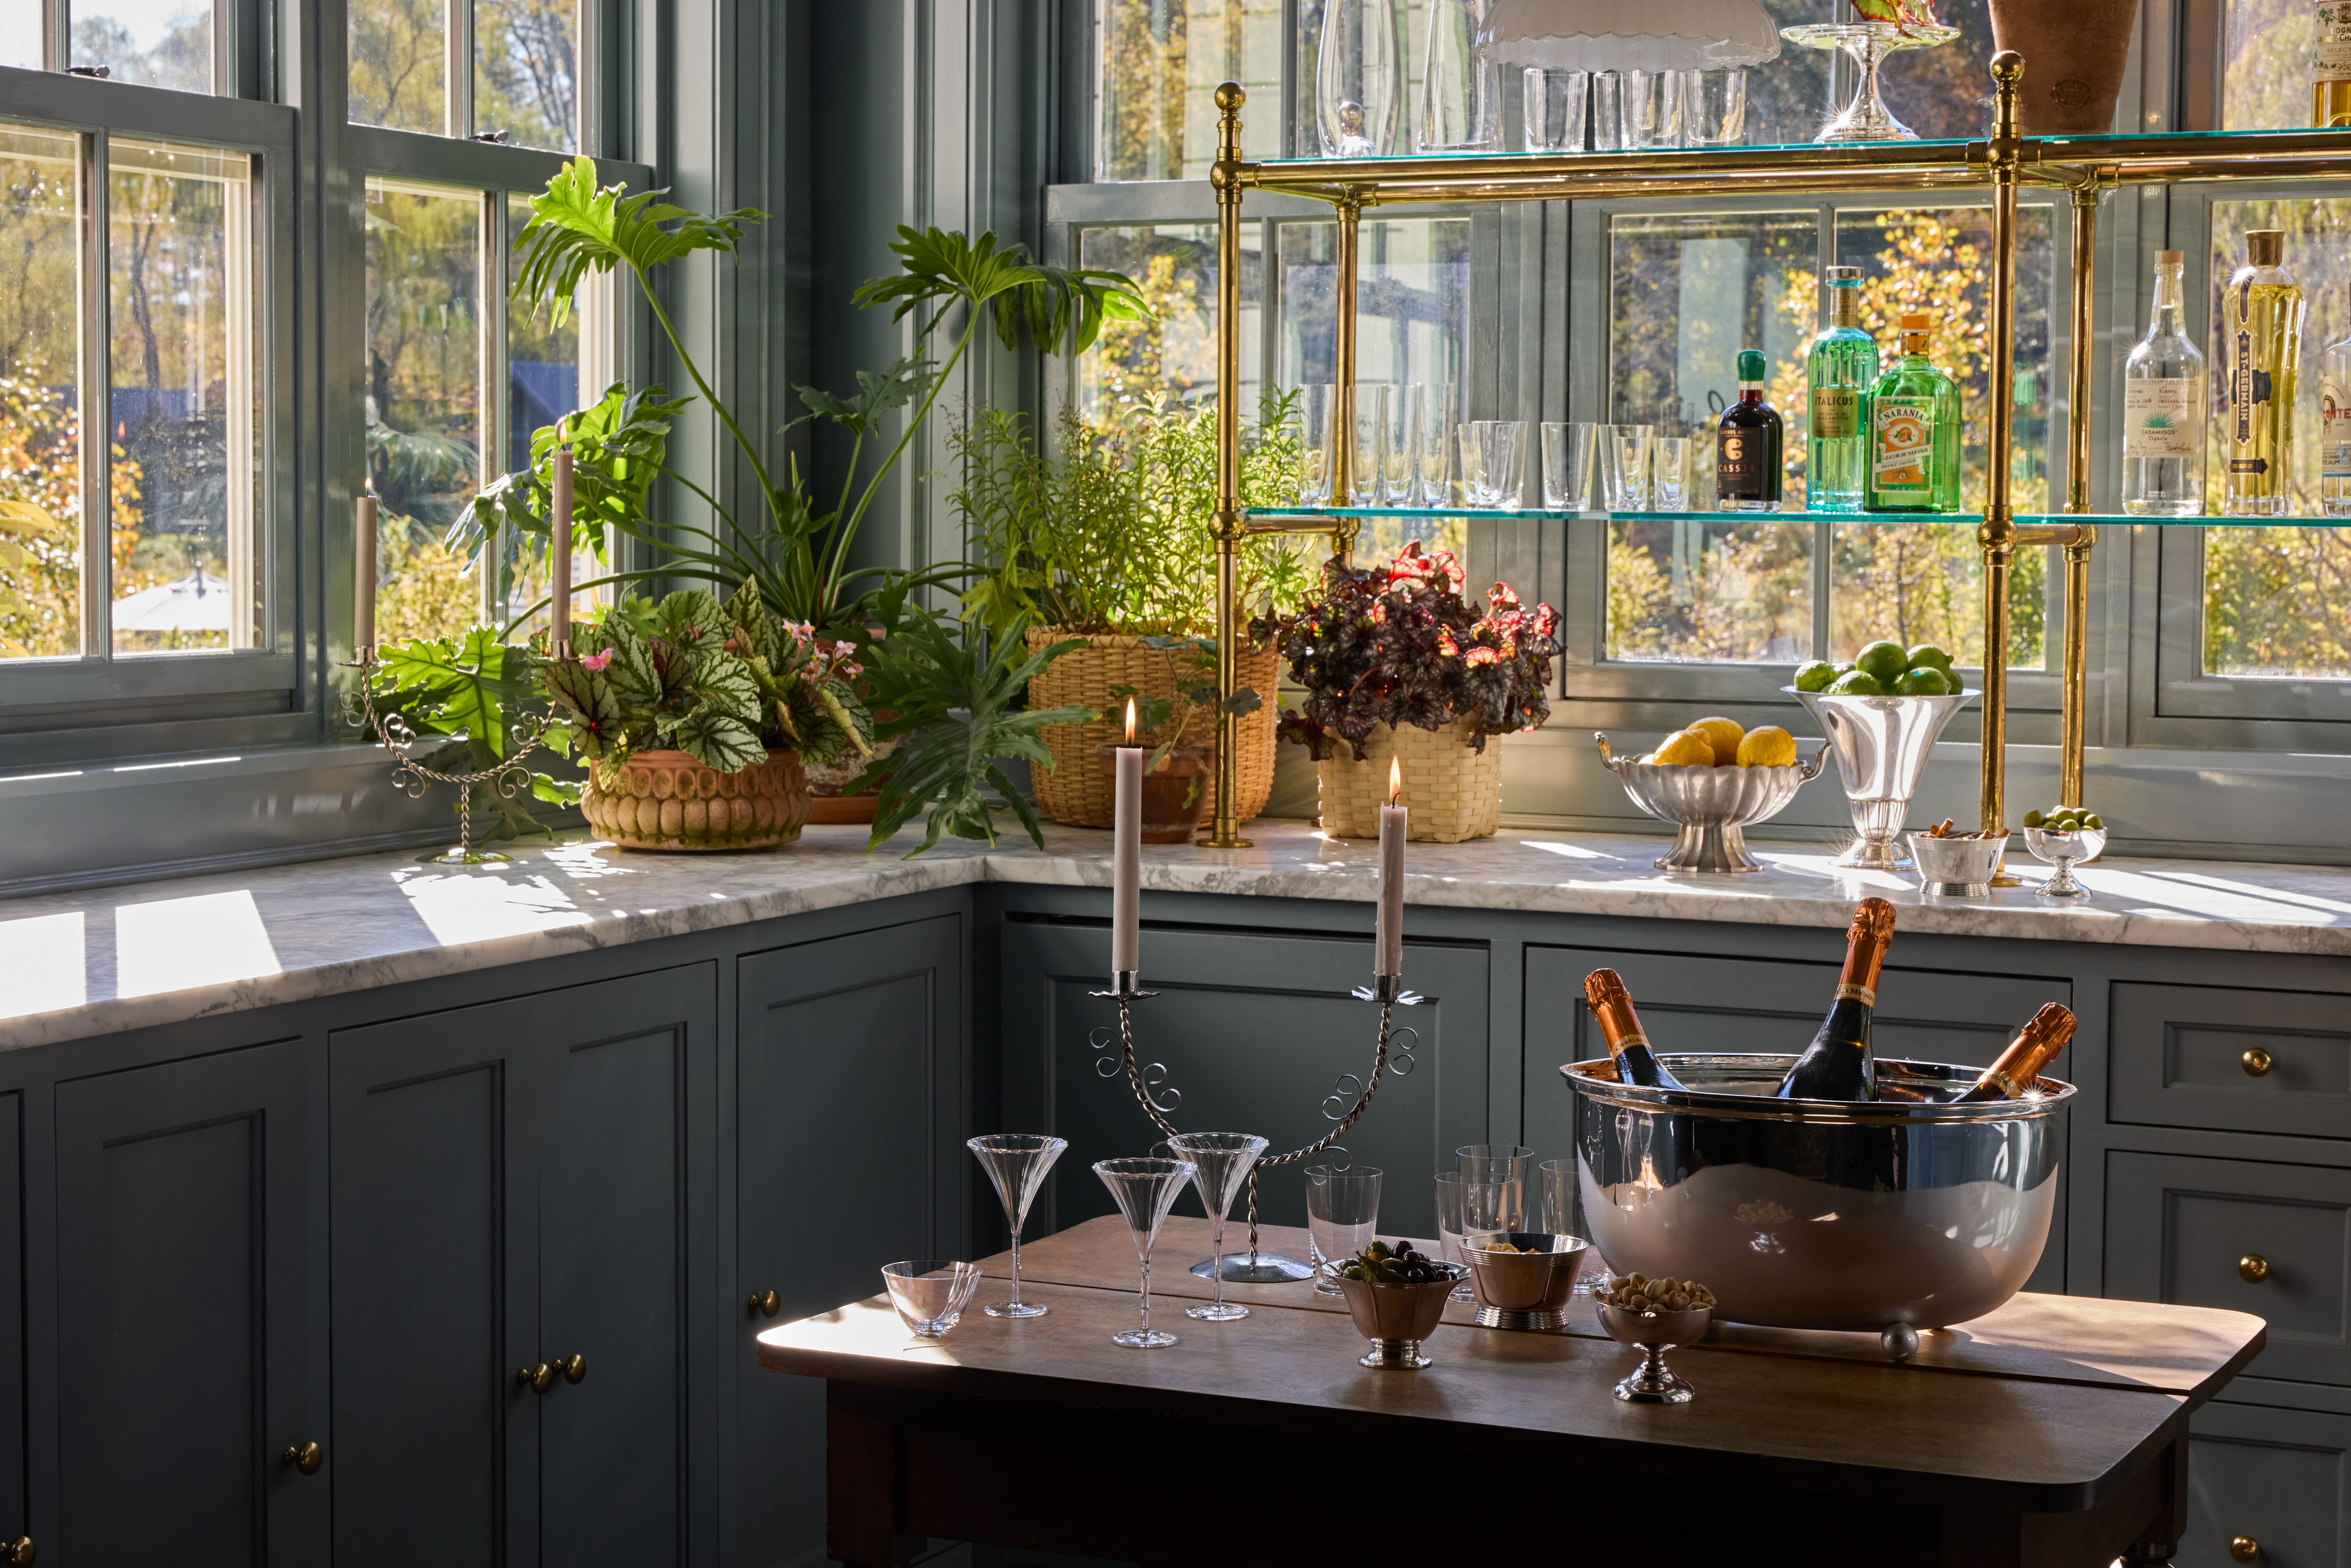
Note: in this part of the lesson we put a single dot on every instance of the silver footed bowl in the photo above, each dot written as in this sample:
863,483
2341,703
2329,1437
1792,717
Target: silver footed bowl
1528,1286
1820,1214
1708,806
1882,746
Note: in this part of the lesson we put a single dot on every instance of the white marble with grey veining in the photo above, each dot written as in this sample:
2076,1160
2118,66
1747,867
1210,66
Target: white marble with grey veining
75,965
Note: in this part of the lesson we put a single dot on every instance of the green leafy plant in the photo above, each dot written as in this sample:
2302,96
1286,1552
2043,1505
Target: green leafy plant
1192,675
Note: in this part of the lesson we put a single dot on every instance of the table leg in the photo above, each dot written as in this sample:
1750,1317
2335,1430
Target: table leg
862,1487
2160,1543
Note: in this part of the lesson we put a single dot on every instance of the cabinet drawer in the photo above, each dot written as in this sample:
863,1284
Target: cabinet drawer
2181,1230
2249,1061
2278,1479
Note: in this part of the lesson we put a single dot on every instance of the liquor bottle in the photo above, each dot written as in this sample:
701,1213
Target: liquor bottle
1837,1064
2330,65
1612,1004
2044,1034
2263,323
2334,430
1838,370
2163,408
1748,446
1911,418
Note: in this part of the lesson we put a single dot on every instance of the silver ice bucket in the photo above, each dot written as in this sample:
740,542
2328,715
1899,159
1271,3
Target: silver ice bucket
1820,1214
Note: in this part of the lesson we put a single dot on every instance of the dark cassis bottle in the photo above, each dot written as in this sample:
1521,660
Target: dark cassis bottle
1748,446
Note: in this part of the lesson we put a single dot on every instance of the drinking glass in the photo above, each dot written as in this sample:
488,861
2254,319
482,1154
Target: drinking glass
1341,1207
1493,1185
1146,1189
1554,109
1653,109
1624,465
1436,449
1359,73
1016,1163
1449,1229
1561,1218
1714,107
1401,434
1607,112
1370,431
1460,89
1567,465
1669,457
1318,409
1223,1161
930,1295
1503,443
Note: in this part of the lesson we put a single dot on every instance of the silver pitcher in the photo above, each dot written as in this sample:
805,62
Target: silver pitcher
1882,744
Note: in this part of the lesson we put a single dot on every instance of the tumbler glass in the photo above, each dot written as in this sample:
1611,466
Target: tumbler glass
1449,1229
1493,1185
1607,112
1669,458
1371,430
1436,449
1714,107
930,1295
1653,109
1401,434
1342,1205
1567,452
1554,109
1624,465
1501,464
1318,409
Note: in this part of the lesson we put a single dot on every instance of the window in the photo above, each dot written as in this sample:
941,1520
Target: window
168,44
517,76
2265,65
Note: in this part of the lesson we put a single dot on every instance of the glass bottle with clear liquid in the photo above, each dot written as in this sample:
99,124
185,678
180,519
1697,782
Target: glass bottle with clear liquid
2263,314
2163,407
1839,368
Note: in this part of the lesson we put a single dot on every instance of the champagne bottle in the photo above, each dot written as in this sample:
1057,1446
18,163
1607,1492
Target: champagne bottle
1612,1004
1837,1064
2035,1046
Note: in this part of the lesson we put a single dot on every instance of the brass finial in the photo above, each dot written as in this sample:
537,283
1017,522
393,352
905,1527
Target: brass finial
1230,97
2007,69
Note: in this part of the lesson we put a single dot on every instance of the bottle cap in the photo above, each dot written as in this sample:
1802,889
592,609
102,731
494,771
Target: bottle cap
1751,365
2265,248
2170,257
1843,274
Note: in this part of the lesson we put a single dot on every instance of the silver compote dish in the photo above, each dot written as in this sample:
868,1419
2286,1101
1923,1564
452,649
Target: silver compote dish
1882,744
1708,806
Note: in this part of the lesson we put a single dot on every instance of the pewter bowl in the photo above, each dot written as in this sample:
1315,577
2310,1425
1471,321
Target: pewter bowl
1820,1214
1709,805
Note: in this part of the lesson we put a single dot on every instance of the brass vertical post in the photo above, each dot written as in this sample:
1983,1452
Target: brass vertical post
1342,437
1998,533
1224,826
2073,725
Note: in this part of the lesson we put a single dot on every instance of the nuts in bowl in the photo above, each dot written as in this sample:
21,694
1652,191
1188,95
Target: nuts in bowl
1639,1293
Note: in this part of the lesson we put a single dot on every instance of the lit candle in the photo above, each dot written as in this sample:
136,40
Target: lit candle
559,557
1389,946
1127,861
363,572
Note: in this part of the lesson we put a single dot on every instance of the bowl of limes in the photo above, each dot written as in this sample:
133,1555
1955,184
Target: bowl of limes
1882,713
1710,782
2065,837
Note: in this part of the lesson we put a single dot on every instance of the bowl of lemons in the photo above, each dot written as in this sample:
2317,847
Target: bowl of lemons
1882,712
1710,782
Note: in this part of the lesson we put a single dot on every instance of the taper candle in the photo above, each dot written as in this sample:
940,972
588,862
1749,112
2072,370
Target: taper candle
363,576
1126,860
1388,947
558,556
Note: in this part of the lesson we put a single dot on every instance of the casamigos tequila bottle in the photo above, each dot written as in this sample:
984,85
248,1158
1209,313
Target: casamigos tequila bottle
1837,1064
2163,408
1839,368
1911,418
2262,325
1748,446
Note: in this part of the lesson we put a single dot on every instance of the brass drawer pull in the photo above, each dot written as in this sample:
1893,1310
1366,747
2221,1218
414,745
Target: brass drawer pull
539,1379
304,1457
2252,1268
767,1303
2244,1549
2257,1064
20,1552
574,1367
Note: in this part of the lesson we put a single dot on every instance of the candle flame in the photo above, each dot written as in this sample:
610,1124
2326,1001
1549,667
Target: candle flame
1395,780
1130,721
367,486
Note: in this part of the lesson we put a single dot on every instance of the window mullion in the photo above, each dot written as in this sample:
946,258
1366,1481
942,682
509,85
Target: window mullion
491,338
97,411
457,35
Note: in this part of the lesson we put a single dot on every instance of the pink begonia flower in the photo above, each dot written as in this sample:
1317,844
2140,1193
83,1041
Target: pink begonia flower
595,663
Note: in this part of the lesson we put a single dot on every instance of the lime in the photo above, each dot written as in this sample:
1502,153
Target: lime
2093,821
2034,819
1815,675
1883,661
1926,681
1927,653
1856,683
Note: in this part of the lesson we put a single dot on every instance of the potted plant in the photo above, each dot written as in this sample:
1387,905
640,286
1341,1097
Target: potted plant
1105,543
1398,667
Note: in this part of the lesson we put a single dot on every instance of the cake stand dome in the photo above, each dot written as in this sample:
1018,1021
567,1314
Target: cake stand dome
1621,36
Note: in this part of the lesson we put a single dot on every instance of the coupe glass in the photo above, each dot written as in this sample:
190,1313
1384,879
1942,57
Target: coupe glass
1146,1189
1493,1185
930,1295
1342,1205
1016,1163
1371,434
1318,409
1624,465
1566,466
1449,1229
1224,1161
1401,434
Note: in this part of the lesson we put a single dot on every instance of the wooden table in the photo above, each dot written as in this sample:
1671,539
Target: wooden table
2053,1432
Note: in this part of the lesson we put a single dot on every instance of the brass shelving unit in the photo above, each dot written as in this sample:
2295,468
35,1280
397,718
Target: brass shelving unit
2087,167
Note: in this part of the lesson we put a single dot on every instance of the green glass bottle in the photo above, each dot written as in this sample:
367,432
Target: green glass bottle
1912,420
1839,368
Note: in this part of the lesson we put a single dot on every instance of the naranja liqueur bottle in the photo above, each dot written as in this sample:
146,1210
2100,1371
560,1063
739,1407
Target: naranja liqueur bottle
2163,408
1838,370
1612,1005
1911,417
1748,446
1837,1064
2261,322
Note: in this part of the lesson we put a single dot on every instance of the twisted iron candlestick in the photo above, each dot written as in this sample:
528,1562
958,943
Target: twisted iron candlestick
412,777
1349,1098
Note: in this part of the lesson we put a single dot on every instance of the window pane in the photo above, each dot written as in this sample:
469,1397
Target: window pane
1175,352
157,43
1946,91
2265,66
20,36
1162,61
180,237
399,64
1725,589
1412,303
1923,582
543,385
526,71
425,398
40,427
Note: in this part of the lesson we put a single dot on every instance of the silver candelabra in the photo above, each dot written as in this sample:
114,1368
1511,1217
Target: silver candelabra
509,776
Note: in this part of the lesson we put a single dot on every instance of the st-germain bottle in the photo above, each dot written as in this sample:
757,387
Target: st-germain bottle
2334,430
1912,420
2261,324
1837,1064
2037,1045
1839,368
1748,446
2163,408
1612,1005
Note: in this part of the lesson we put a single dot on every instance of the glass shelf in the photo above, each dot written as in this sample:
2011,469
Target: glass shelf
2023,519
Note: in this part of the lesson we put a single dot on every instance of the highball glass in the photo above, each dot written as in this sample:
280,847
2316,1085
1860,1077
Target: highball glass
1567,451
1449,1229
1653,109
1562,1217
1493,1185
1669,464
1224,1160
1342,1206
1371,434
1624,465
1318,411
1401,434
1016,1162
1607,112
930,1295
1436,445
1144,1190
1714,107
1554,109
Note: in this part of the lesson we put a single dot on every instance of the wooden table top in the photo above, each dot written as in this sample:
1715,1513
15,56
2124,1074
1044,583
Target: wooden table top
2042,1406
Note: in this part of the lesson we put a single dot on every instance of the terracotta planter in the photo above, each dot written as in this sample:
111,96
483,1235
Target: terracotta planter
2073,57
1074,791
1454,792
1173,797
667,800
827,780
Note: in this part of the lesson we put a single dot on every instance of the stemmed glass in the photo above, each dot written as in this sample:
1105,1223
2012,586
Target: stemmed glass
1016,1163
1223,1160
1146,1189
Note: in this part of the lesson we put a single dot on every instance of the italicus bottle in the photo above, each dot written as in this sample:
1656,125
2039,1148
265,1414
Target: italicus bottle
1837,1064
2263,326
2334,430
2163,408
1911,418
1612,1005
1748,446
1838,370
2037,1045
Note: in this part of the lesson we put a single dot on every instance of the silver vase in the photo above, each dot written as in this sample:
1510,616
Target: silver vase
1882,744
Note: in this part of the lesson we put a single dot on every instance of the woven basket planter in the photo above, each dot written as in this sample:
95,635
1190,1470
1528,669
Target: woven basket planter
1454,792
667,800
1076,791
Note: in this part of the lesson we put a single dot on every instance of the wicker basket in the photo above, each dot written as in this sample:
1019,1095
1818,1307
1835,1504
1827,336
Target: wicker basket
1455,793
668,800
1075,790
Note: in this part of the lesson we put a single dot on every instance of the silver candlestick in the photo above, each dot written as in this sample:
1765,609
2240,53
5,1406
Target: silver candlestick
412,777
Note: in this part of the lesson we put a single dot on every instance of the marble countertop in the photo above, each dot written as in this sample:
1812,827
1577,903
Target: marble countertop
95,962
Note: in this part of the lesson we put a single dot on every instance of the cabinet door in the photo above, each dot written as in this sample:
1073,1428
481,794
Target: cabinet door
16,1480
849,1128
2278,1479
184,1315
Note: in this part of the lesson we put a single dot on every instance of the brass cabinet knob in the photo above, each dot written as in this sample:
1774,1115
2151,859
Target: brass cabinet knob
21,1552
304,1457
767,1303
574,1367
2252,1268
539,1379
2244,1549
2257,1064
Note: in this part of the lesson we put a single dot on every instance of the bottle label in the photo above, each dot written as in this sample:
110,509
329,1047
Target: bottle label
1836,413
1861,994
2330,52
1738,465
1902,444
2160,417
2334,431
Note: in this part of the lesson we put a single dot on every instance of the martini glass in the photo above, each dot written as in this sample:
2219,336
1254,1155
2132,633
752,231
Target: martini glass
1016,1163
1145,1190
1224,1159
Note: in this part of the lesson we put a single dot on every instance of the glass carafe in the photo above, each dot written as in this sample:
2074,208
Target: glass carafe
1359,80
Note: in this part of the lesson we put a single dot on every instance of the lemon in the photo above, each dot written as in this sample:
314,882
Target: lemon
1767,746
1687,748
1725,734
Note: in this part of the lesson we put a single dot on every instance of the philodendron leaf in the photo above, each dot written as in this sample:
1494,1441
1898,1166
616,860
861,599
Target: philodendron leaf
718,740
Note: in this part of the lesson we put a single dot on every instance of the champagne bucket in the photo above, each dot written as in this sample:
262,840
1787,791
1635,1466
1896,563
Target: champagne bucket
1820,1214
1709,807
1882,744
